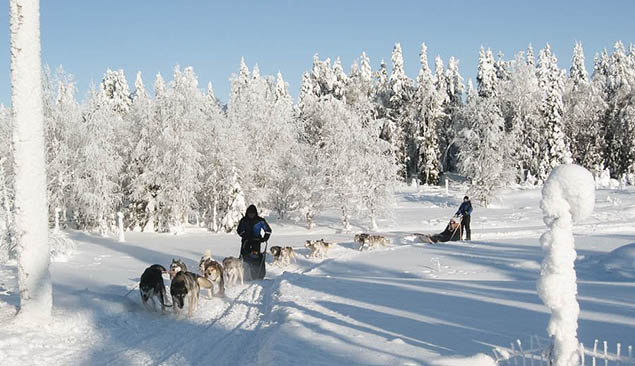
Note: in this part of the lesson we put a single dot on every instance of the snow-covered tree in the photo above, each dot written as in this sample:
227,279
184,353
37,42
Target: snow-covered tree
551,80
180,136
619,127
428,108
452,107
98,191
485,149
115,88
31,219
7,229
236,206
520,99
486,74
582,120
401,93
62,116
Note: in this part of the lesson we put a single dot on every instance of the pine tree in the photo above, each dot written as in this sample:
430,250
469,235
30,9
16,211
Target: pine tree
486,74
620,131
401,94
452,107
550,80
429,110
583,110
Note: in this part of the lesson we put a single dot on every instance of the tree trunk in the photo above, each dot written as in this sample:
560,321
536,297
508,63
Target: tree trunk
215,216
122,237
31,213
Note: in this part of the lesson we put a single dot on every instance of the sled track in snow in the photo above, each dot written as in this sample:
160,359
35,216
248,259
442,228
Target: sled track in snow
165,340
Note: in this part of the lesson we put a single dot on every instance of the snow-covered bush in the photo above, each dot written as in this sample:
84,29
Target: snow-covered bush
567,196
61,246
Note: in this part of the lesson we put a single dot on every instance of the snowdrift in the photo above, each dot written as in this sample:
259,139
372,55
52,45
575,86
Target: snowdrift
621,261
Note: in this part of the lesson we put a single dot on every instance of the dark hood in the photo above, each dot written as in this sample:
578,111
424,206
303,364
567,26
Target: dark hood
252,209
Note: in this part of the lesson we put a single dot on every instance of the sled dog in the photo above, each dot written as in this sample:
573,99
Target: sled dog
372,241
176,266
282,255
213,271
151,285
187,284
207,256
360,239
234,270
318,248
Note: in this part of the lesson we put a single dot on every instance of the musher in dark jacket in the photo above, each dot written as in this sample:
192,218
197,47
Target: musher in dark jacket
251,228
465,211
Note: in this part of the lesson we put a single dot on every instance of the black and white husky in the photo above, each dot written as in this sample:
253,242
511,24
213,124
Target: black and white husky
187,285
177,265
318,248
151,285
368,241
282,255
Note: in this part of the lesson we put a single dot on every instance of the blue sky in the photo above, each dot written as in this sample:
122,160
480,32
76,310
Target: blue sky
86,37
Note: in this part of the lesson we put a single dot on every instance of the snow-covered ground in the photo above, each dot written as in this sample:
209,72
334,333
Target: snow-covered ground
407,304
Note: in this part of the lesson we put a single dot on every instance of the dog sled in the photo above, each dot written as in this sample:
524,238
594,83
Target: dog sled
255,264
452,232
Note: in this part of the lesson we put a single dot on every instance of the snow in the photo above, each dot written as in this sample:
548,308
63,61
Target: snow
407,304
621,261
568,195
477,360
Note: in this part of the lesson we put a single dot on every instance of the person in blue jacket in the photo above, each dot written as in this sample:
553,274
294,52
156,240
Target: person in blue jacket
465,211
251,228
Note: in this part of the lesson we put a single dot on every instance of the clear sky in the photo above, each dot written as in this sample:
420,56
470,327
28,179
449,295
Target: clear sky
86,37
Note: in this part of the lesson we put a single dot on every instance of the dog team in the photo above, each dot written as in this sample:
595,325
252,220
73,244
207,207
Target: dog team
214,276
185,284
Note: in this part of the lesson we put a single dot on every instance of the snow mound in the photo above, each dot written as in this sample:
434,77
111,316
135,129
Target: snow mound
621,261
476,360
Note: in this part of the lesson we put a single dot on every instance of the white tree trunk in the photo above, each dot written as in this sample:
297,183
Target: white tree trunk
373,221
57,219
122,237
215,217
31,213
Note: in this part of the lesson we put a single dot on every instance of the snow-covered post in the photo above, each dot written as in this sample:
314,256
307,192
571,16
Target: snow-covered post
31,213
447,188
568,195
57,219
122,237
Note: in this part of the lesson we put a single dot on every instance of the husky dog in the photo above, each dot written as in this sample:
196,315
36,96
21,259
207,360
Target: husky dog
207,256
187,284
360,239
176,266
234,270
318,248
282,256
371,241
151,285
213,271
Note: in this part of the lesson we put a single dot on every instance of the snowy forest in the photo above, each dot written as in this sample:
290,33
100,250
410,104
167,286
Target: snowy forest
173,154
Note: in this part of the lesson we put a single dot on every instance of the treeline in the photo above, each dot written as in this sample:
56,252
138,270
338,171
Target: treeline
178,155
